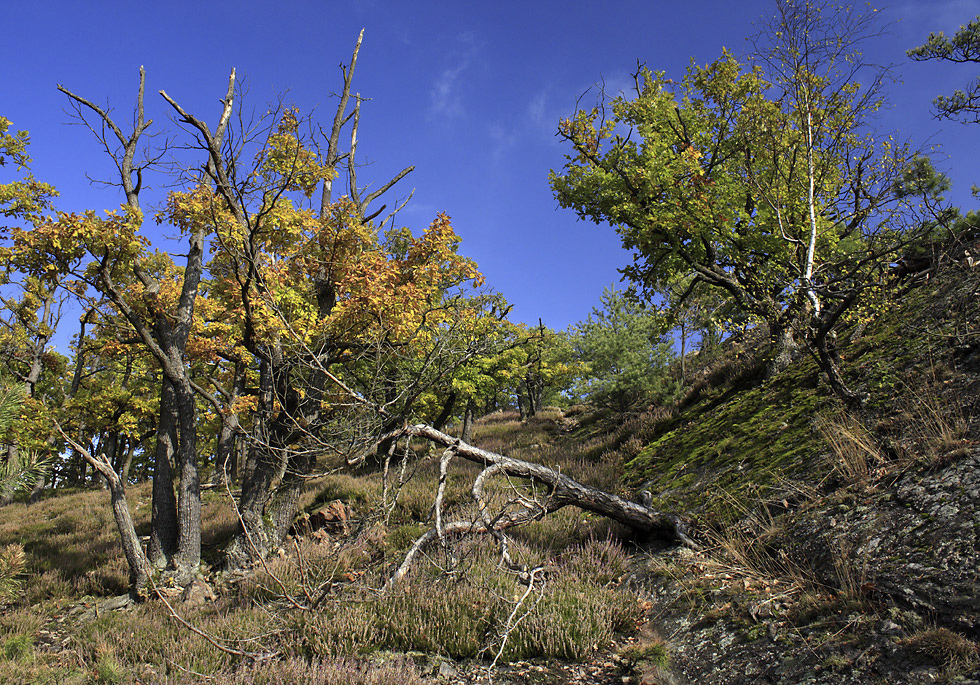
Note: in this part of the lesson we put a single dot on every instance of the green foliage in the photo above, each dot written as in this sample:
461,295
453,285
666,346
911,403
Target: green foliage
654,652
26,198
743,178
18,647
963,47
623,345
19,470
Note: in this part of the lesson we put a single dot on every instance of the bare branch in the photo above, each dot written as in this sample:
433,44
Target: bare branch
562,491
129,145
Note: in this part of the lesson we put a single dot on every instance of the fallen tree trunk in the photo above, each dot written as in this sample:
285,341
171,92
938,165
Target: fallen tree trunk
561,492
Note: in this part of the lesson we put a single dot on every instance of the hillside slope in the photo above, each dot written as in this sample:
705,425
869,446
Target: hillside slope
833,547
838,546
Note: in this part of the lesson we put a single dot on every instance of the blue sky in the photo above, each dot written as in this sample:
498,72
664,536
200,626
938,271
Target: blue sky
468,92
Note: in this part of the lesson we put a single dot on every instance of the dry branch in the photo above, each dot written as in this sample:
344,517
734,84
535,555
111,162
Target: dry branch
561,492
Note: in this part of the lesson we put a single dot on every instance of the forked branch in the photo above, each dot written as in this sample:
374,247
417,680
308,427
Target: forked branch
561,491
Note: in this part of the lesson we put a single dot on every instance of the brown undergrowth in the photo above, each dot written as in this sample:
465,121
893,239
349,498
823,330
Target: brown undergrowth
314,610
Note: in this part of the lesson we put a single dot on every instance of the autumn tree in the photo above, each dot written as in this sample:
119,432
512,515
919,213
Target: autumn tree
31,304
310,287
106,262
313,332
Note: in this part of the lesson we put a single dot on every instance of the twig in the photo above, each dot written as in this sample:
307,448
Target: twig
511,624
255,656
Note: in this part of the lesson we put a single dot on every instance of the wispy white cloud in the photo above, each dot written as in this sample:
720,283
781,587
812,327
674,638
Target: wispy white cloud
502,139
549,105
446,99
537,108
446,95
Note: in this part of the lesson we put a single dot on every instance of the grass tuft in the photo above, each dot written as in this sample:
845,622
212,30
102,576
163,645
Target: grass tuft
952,651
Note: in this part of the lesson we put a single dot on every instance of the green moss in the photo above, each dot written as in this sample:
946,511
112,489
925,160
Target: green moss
737,434
734,438
654,653
18,648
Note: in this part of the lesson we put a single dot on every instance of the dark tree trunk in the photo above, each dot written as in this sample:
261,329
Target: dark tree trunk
267,508
523,407
163,530
226,448
447,411
280,458
36,491
466,435
264,464
188,556
683,353
127,460
784,349
830,363
225,451
535,393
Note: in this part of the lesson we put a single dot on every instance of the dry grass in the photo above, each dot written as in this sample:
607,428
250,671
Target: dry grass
746,555
950,650
855,454
348,671
939,425
462,604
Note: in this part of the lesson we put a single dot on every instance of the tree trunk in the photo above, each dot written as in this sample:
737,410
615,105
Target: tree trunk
535,393
38,488
226,447
265,463
163,526
523,407
784,349
284,504
829,359
127,460
188,556
447,411
683,354
140,568
225,450
466,435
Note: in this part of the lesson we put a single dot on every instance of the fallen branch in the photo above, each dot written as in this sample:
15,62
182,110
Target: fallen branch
561,492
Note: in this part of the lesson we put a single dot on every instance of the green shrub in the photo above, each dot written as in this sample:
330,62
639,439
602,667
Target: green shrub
451,618
18,648
108,669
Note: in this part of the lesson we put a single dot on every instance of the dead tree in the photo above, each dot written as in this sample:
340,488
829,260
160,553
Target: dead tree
140,569
281,451
559,491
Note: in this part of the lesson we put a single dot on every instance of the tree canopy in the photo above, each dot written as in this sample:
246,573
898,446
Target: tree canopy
764,180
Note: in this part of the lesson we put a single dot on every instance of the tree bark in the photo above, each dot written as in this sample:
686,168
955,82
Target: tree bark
466,434
188,557
140,568
785,350
447,411
163,528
